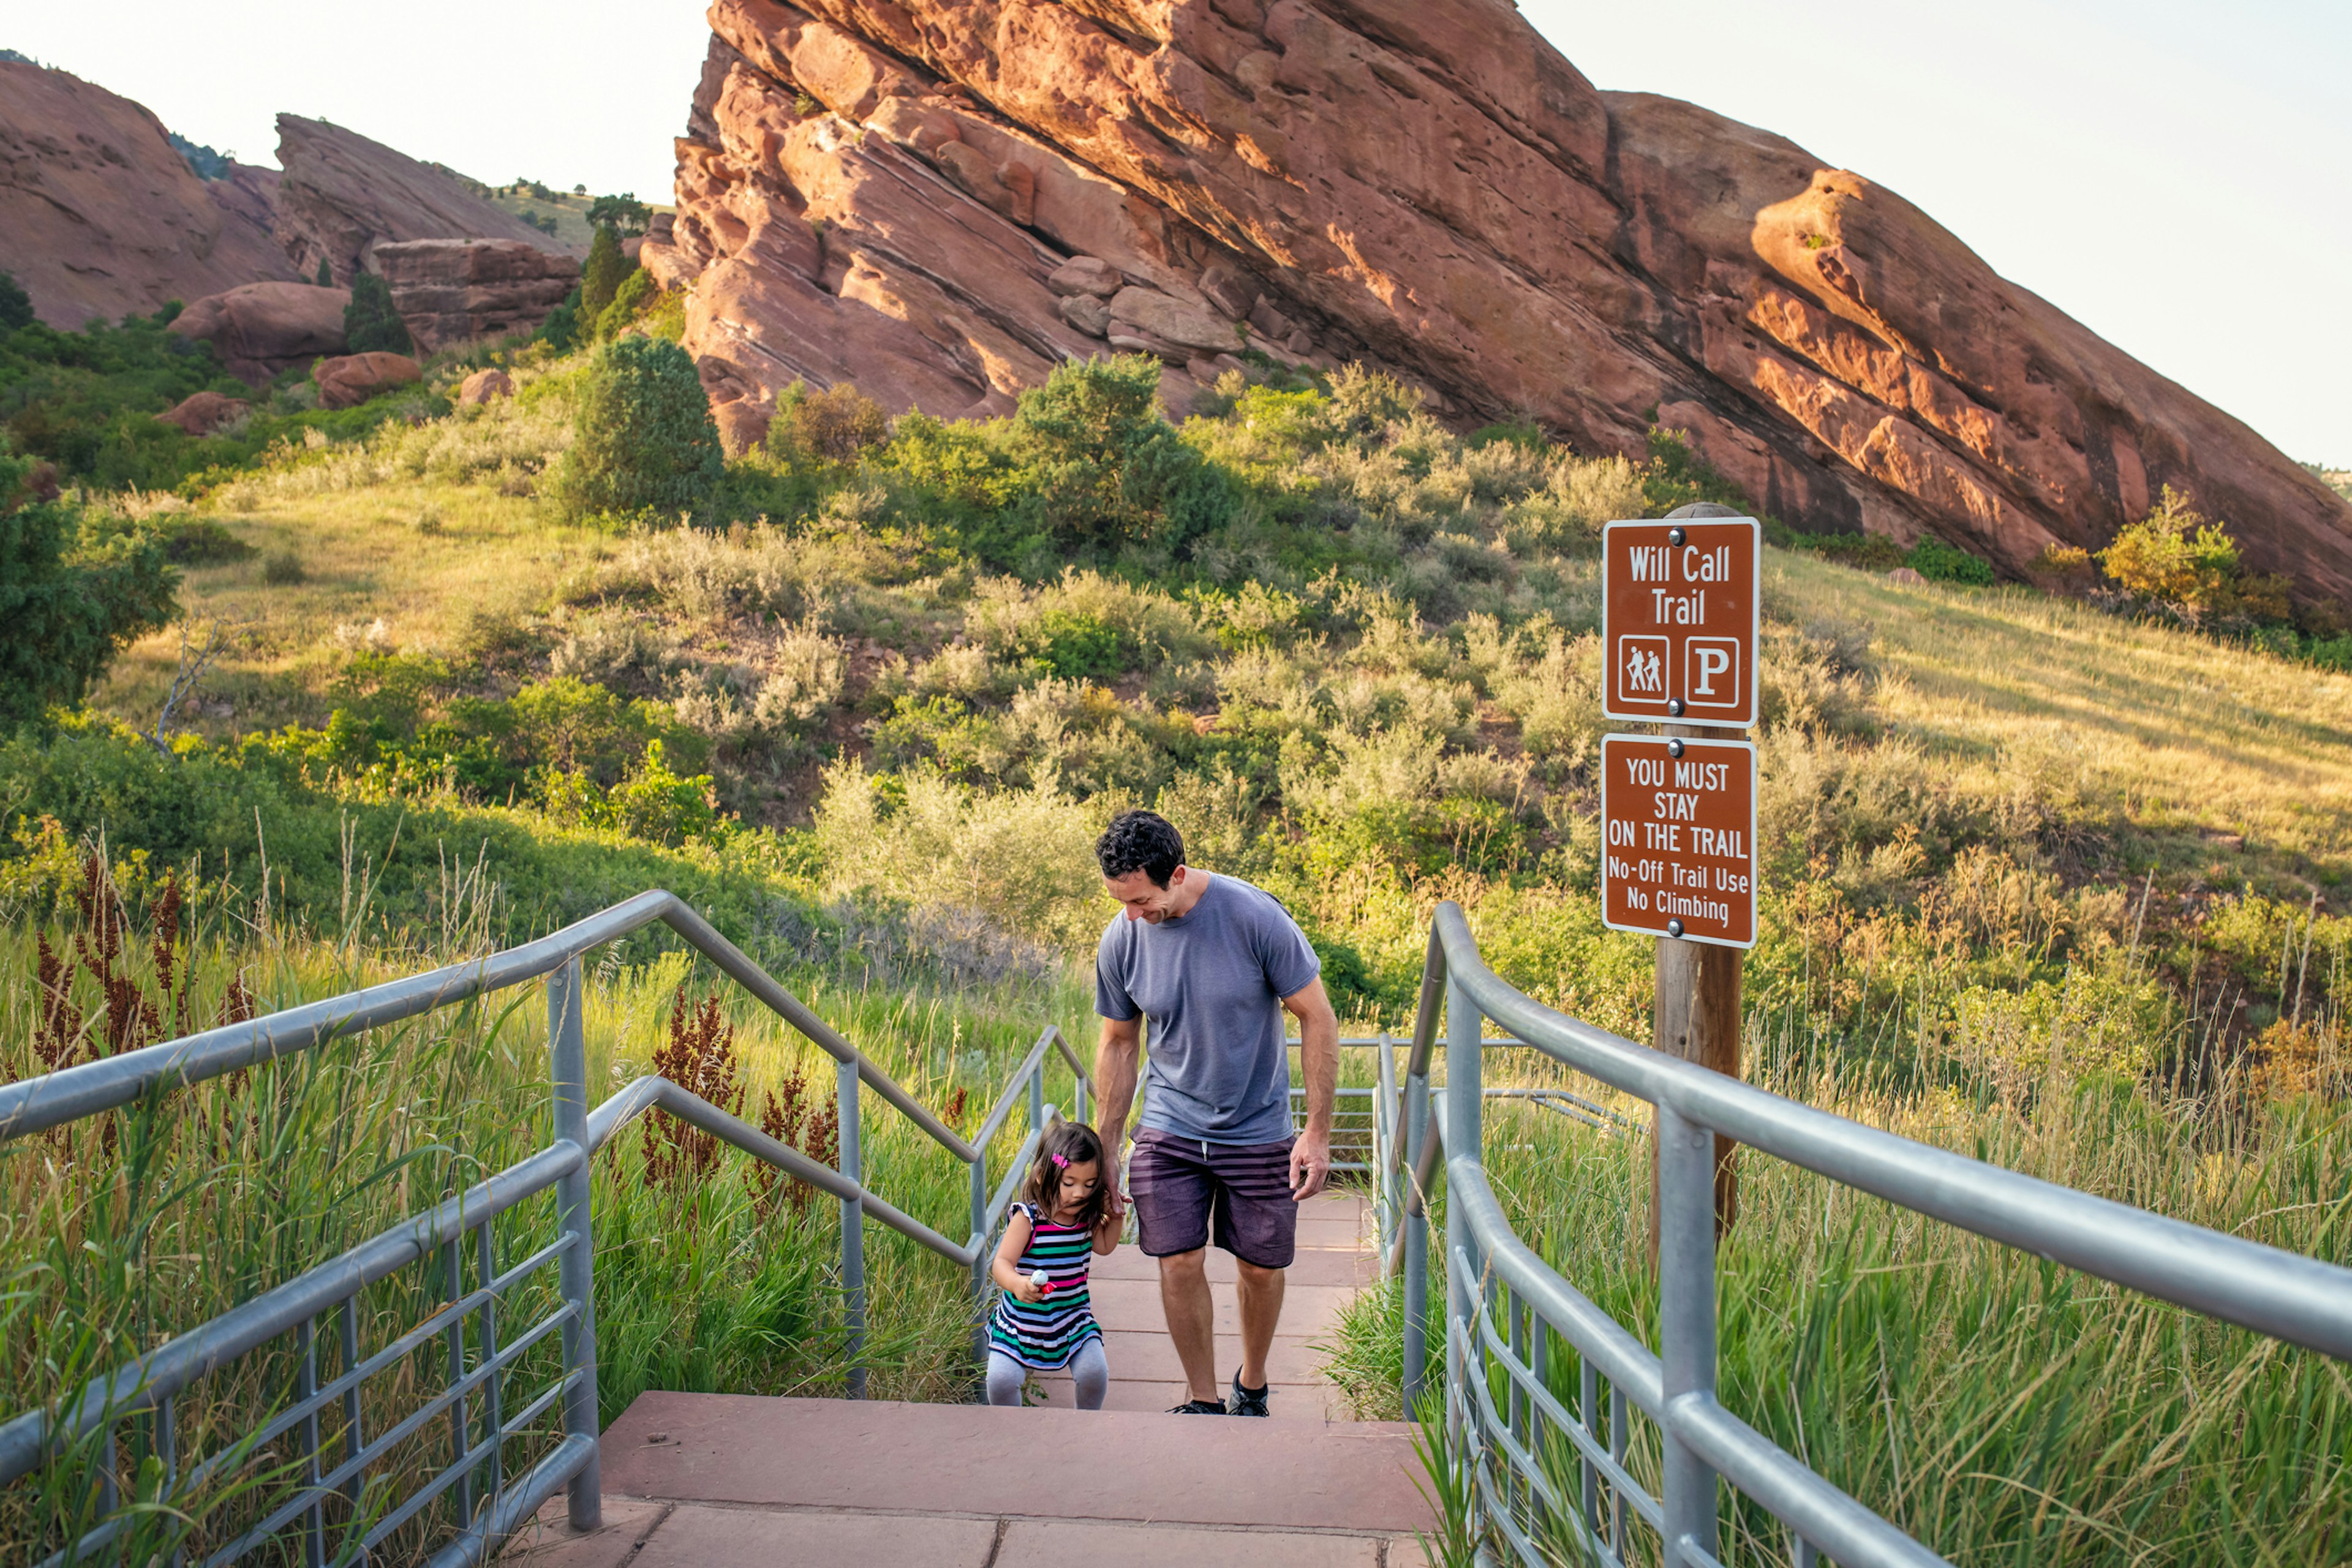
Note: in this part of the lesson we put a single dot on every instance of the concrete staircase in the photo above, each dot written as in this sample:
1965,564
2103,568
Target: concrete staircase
735,1481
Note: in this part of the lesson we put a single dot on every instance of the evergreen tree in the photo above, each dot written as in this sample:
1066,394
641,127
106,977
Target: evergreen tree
67,604
16,305
642,441
326,274
600,279
369,323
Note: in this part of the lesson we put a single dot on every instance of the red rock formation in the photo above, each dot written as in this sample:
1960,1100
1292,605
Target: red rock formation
350,380
260,329
99,217
895,193
342,195
453,290
201,413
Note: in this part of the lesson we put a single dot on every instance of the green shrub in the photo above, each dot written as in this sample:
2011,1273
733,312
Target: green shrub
326,279
69,600
369,323
2176,558
601,274
1103,469
637,293
16,305
643,443
560,330
1941,562
281,567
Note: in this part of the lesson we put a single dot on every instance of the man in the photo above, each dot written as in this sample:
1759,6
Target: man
1214,964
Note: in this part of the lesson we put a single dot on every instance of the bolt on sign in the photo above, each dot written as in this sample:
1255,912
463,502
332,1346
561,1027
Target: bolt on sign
1678,625
1678,820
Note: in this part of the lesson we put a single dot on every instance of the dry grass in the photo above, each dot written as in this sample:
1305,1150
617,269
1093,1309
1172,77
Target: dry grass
2235,758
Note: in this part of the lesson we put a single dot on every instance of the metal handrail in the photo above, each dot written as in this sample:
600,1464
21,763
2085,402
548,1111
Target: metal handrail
148,1385
1491,1271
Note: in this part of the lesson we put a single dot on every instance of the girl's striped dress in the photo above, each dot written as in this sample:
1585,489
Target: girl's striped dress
1048,1335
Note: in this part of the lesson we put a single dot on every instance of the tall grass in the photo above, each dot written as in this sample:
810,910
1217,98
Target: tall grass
1999,1407
124,1230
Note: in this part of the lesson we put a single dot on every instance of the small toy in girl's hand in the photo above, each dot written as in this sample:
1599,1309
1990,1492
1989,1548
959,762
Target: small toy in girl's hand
1044,1282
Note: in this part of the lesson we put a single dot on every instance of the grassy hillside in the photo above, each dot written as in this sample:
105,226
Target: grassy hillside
2041,879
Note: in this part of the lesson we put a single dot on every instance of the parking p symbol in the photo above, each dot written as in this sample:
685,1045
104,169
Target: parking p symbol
1711,672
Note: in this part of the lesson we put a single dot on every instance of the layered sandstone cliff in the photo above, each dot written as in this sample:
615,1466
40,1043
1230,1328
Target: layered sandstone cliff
894,193
99,216
342,194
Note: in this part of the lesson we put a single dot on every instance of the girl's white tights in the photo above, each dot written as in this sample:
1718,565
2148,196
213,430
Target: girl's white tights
1089,1371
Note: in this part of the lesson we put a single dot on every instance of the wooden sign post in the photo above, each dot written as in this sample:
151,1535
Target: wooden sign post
1678,810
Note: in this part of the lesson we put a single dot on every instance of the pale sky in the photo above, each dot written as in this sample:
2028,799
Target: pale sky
2176,175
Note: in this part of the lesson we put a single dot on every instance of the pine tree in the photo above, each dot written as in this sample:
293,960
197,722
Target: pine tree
369,323
326,274
600,279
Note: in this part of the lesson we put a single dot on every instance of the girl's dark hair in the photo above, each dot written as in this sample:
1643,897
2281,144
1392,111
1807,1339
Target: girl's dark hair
1077,1144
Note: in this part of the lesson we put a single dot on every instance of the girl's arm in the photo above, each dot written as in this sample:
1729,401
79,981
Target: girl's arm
1006,1270
1107,1230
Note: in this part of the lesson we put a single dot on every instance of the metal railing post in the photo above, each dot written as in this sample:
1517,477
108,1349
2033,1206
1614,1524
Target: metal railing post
1037,1096
568,1070
1416,1245
980,1256
1686,1324
853,1234
1464,1294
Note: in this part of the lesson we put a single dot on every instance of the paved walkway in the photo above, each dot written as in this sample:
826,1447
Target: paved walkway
735,1481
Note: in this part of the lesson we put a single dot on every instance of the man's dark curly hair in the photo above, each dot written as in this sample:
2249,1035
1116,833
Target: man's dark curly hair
1141,841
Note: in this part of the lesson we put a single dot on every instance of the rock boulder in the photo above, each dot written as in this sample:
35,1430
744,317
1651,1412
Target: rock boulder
485,386
342,195
453,290
350,380
262,329
1429,190
201,413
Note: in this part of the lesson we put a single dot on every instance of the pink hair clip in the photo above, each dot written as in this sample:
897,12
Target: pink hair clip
1060,1161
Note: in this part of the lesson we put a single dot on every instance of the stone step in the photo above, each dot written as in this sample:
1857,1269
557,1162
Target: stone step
732,1480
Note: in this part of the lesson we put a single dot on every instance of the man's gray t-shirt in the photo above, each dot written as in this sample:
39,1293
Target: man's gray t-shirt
1212,981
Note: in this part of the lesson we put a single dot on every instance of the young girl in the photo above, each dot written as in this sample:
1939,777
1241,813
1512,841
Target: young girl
1063,1217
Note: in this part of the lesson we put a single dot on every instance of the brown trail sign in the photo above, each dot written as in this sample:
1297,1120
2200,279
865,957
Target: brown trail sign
1678,827
1678,811
1678,621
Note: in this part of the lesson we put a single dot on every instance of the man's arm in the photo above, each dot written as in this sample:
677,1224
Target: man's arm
1121,1047
1318,1058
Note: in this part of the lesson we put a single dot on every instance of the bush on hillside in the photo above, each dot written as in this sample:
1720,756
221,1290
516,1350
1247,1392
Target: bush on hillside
560,330
600,276
643,442
1104,468
2175,558
834,426
68,604
635,296
1941,562
16,305
326,278
369,323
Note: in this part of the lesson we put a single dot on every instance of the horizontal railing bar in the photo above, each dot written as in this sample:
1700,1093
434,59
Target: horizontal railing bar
1620,1358
1850,1533
650,1093
1015,1171
164,1372
439,1483
395,1351
513,1507
2283,1294
71,1093
993,1122
1570,1425
331,1483
1499,1514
